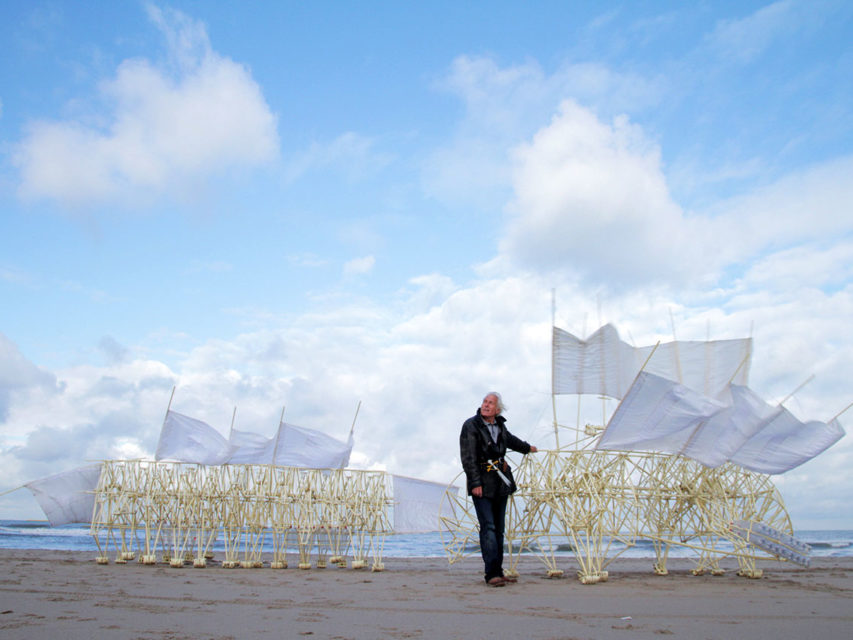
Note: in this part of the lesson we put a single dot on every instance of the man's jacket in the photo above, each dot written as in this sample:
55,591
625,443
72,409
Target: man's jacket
476,448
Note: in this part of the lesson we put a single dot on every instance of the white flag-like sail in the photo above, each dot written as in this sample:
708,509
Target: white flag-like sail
67,497
597,365
716,441
301,447
250,448
661,415
605,365
418,505
657,415
185,439
785,442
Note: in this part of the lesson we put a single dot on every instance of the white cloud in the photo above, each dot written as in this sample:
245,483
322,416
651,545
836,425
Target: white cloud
429,291
591,198
359,266
307,260
420,367
744,39
810,204
504,106
808,266
163,131
17,374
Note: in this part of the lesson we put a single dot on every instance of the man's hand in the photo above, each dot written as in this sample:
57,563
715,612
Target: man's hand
533,449
477,492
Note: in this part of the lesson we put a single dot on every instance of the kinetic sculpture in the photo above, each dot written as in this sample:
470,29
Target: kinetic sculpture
142,507
292,492
682,461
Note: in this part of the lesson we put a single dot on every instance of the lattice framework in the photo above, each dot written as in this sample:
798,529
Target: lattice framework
181,509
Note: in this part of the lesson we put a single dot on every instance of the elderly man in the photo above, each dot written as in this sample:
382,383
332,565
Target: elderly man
482,445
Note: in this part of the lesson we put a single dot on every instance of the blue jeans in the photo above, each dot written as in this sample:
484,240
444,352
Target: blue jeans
491,514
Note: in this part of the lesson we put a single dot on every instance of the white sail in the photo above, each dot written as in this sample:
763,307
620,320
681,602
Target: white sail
657,415
418,505
185,439
785,442
661,415
250,448
67,497
605,365
301,447
292,446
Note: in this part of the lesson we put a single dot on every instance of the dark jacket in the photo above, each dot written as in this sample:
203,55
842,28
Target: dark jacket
476,449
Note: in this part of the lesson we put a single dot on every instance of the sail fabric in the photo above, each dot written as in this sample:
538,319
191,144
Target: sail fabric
67,497
657,415
292,446
248,447
185,439
716,441
661,415
785,442
301,447
605,365
419,505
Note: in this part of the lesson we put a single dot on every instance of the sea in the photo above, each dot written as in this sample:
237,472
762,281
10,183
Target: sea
35,534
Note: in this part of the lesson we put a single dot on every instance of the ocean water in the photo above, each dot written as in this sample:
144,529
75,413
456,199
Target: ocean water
34,534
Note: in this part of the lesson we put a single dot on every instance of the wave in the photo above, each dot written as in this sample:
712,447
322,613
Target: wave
26,534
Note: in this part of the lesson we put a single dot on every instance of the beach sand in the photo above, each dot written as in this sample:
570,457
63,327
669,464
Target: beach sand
64,595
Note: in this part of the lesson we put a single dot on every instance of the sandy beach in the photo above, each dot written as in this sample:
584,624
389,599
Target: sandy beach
54,594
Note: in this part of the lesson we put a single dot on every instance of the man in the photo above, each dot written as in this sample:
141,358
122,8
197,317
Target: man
482,445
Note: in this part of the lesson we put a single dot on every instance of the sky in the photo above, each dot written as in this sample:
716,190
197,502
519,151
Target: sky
379,207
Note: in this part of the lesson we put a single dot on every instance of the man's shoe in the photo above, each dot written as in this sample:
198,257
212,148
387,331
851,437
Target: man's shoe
510,579
497,581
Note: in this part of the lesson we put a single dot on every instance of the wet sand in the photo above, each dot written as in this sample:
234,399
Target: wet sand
64,595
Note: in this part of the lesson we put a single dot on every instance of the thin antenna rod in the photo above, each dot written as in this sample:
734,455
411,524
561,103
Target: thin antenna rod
352,428
842,412
675,349
233,416
277,435
554,366
788,397
169,406
165,417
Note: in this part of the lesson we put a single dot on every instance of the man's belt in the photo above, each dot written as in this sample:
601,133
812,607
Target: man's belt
493,466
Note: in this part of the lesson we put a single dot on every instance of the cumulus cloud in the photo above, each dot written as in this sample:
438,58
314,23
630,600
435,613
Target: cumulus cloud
78,415
19,374
113,350
505,105
164,127
592,197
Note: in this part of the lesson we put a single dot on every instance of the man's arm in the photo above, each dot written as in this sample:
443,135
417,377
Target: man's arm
517,444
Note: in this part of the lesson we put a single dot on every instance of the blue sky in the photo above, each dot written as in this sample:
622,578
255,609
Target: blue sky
316,204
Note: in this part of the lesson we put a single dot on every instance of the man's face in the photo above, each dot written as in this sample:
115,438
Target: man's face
489,408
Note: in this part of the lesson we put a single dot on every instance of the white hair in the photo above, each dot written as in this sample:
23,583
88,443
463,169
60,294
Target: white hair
501,405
